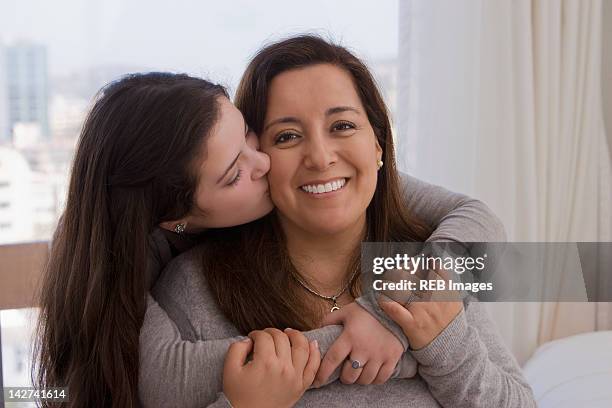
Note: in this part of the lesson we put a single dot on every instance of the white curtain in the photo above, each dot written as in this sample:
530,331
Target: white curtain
501,100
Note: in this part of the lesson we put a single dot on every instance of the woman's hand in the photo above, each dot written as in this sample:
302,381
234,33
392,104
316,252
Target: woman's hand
422,321
283,367
363,339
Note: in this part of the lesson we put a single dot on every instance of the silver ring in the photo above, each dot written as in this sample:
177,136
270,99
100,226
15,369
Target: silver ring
355,364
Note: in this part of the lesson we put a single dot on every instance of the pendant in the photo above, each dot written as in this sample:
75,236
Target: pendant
335,306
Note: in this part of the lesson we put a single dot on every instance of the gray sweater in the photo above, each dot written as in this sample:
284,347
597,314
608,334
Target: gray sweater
185,337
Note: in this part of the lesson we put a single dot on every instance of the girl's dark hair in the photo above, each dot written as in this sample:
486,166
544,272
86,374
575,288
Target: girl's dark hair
134,167
256,289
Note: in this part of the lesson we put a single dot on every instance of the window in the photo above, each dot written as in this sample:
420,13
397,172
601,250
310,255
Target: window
69,52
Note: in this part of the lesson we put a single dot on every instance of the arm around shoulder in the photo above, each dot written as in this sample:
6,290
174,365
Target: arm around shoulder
454,217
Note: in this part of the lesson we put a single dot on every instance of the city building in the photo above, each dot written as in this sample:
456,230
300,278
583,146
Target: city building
16,209
33,185
24,90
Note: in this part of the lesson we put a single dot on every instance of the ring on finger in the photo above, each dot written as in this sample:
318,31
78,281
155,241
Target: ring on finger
355,364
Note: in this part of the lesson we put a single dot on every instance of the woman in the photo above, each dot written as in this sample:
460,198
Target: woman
153,151
324,123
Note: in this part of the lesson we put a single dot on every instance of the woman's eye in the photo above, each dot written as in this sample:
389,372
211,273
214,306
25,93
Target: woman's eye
340,126
285,137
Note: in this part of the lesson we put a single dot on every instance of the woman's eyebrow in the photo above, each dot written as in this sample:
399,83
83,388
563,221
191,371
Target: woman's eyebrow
340,109
286,119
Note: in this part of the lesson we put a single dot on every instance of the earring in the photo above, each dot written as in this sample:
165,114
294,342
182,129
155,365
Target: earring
180,228
379,164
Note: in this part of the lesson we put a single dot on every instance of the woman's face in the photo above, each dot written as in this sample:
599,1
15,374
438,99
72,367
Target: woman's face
232,188
322,148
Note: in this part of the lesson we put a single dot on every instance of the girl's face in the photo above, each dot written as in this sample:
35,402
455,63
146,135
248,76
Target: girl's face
233,187
322,148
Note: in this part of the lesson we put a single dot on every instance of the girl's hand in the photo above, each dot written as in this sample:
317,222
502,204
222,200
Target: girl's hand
282,368
423,321
363,339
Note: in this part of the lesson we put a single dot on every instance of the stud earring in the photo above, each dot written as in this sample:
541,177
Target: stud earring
379,164
180,228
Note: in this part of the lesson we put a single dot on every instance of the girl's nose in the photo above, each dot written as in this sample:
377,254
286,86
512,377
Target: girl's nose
261,161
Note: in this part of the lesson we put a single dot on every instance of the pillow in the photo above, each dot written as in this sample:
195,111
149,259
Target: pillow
573,372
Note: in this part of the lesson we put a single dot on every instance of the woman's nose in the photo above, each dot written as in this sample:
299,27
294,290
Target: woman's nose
319,153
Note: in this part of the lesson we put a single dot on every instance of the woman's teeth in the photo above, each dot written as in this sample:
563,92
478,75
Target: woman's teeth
324,188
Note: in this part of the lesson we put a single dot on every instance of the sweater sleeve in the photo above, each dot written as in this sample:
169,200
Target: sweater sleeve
468,365
170,367
454,218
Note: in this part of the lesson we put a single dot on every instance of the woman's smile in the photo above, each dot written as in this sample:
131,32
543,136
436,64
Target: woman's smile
326,188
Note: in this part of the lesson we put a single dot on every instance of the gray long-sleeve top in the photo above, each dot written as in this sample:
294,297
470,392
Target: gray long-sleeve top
184,338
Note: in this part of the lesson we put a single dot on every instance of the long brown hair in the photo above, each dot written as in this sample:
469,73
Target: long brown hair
256,289
134,168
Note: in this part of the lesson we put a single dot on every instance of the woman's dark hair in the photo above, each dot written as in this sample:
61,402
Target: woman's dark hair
256,289
134,167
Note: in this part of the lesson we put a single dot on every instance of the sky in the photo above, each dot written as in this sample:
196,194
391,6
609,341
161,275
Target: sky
209,38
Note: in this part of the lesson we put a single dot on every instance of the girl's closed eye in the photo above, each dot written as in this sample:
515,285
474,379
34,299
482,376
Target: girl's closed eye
236,179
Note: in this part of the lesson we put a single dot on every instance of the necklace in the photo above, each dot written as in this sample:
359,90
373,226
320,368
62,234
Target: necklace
333,298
